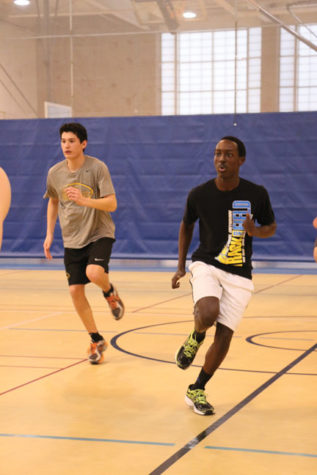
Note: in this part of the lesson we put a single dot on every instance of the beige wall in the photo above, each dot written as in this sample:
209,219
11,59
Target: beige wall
116,76
109,76
18,80
53,72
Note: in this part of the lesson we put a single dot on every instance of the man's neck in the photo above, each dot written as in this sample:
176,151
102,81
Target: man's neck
227,185
75,163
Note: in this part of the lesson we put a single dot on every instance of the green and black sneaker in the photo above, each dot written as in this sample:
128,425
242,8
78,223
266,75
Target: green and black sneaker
196,399
187,352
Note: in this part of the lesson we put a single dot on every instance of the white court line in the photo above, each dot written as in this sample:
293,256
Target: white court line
54,314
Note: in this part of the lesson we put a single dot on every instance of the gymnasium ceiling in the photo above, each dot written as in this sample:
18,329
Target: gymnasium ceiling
43,18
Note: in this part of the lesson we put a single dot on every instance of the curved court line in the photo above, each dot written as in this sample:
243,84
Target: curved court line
86,439
196,440
113,342
42,377
250,339
259,451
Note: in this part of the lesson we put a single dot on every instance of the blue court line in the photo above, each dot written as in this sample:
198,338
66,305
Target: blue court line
205,433
284,270
260,451
86,439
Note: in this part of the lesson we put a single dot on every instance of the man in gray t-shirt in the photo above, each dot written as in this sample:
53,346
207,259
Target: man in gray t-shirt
82,196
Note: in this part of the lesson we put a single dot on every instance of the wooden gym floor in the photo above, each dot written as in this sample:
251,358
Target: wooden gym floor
61,415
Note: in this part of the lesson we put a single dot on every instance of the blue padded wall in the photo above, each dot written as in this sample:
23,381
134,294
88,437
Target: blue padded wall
154,162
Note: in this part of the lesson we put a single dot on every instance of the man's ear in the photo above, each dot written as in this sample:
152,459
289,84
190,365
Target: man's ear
242,160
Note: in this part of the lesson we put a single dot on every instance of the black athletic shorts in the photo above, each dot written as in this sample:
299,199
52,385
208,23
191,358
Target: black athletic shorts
76,260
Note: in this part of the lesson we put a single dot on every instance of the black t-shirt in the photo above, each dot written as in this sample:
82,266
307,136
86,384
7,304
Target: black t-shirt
223,240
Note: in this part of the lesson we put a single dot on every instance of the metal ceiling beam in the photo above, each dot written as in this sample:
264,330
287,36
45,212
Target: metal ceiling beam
282,25
169,15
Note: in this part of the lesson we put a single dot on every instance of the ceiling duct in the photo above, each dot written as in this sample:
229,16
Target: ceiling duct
168,12
156,12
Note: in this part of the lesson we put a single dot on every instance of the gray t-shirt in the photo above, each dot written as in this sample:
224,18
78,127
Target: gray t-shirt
81,225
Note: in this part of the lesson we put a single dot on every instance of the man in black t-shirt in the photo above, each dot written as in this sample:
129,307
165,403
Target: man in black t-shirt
226,208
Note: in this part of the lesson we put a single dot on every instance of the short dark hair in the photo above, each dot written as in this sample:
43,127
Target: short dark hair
241,147
76,128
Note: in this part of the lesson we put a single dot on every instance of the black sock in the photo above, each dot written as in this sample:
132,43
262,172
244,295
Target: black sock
199,336
95,337
201,381
107,294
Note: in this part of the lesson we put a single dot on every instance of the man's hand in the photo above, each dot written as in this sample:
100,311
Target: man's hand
46,245
264,231
175,279
74,194
249,225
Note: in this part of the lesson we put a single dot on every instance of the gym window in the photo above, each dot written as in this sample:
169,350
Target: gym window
298,71
211,72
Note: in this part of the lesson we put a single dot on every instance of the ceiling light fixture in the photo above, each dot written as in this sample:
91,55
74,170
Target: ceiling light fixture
22,3
189,15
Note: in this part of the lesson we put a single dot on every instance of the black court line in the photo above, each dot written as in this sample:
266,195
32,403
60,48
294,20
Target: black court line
196,440
251,339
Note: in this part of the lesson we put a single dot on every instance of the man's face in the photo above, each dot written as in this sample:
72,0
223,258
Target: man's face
226,159
72,147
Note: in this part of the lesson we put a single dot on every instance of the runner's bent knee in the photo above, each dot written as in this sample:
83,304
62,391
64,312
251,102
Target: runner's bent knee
94,272
207,311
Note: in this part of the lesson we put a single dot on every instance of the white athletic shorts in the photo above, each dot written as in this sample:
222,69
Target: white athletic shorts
233,291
